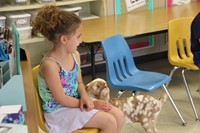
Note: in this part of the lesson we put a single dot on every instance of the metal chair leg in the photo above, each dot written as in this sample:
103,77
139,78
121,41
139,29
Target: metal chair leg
189,93
174,105
172,73
120,93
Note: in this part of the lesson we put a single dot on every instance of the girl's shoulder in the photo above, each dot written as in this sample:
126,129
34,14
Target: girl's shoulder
48,65
47,62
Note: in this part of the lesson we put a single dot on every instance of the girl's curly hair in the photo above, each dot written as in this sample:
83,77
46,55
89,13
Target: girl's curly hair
53,22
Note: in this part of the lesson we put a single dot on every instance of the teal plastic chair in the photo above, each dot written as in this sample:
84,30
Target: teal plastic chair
16,46
122,73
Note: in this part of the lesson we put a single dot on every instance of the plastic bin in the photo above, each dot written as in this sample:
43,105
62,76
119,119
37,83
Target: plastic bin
24,32
20,19
44,1
19,2
33,13
2,21
74,9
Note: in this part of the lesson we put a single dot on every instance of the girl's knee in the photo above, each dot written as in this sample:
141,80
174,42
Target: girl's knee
119,114
111,121
122,116
121,119
109,124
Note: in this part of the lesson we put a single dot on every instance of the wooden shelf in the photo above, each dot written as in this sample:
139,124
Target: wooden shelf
34,5
31,40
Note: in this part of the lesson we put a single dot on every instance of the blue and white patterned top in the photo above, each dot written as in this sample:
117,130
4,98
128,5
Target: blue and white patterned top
69,84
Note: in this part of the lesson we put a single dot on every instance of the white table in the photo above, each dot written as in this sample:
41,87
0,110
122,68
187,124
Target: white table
13,128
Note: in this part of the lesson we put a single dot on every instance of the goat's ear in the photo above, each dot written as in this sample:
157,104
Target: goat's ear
87,86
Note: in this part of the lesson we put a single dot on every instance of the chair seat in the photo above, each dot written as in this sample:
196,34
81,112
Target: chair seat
142,81
86,131
184,64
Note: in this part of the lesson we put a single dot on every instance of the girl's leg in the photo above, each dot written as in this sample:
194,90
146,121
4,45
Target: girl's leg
119,116
104,121
108,122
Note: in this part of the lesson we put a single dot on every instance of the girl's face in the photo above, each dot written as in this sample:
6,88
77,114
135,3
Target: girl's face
74,40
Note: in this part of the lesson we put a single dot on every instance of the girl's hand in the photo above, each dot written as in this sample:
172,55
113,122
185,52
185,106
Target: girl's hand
86,104
102,105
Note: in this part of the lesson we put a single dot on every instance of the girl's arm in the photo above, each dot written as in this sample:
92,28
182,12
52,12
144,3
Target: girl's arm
85,102
50,71
97,104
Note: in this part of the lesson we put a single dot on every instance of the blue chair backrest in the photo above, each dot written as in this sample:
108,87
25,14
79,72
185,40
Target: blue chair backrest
119,60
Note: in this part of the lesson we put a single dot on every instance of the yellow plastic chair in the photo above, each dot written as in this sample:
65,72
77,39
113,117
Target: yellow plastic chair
40,117
179,53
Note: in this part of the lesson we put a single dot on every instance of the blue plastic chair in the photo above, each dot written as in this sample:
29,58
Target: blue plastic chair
122,74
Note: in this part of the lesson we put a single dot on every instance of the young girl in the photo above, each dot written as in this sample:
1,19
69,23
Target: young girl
64,99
